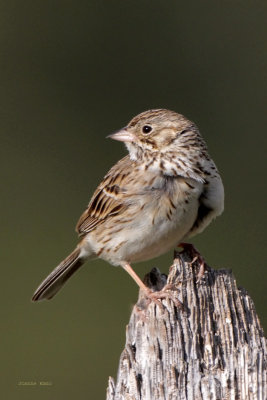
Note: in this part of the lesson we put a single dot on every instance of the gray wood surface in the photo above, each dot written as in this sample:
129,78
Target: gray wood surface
212,347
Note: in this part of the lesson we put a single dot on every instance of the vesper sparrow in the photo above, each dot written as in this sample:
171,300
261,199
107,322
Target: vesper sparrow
165,190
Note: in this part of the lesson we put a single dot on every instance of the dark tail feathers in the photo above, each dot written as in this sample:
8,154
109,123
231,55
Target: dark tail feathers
54,282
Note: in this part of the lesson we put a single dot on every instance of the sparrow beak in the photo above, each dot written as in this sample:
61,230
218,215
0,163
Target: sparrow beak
123,136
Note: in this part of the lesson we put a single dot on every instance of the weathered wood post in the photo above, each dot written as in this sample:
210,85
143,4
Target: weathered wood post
211,348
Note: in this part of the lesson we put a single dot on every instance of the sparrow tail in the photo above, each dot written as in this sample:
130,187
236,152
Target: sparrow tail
58,277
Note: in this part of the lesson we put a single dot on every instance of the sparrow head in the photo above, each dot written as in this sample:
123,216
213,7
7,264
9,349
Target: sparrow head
158,131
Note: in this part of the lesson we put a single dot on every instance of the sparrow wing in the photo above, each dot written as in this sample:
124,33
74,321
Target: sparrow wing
108,199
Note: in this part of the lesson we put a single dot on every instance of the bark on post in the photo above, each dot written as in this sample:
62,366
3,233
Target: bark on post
212,348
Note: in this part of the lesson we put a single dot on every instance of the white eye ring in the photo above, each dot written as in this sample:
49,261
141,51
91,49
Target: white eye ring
146,129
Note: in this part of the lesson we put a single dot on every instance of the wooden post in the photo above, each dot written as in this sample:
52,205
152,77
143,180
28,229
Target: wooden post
213,347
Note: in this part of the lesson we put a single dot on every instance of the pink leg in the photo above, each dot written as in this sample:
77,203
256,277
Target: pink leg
139,282
154,296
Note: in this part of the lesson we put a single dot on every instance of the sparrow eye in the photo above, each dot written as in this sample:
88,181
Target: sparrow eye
146,129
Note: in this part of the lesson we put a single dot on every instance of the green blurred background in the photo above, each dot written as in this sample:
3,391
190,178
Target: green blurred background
71,72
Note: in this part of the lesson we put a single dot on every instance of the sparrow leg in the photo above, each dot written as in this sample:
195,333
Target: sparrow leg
196,257
154,296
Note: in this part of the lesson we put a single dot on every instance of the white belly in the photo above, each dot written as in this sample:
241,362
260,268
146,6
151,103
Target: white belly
150,232
143,239
150,241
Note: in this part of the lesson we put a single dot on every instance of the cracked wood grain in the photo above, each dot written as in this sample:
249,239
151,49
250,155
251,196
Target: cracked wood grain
212,347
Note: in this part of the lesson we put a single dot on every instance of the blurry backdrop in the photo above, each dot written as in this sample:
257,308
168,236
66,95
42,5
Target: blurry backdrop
71,72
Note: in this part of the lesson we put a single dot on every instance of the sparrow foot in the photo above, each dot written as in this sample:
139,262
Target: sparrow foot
168,292
196,257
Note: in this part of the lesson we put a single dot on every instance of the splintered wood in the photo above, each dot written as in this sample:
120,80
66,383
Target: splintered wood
210,347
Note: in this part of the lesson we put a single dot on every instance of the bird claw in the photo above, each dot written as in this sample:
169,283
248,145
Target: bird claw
163,294
196,257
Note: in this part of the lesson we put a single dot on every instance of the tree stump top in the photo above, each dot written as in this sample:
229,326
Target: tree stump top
212,347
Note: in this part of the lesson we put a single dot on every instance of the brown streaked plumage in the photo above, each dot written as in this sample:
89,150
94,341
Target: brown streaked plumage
165,190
